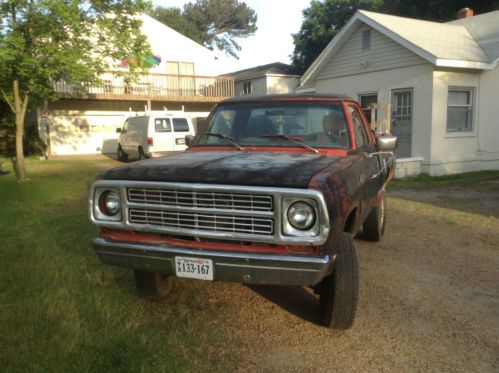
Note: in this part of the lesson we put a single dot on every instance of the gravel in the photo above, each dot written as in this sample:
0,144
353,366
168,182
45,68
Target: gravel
429,302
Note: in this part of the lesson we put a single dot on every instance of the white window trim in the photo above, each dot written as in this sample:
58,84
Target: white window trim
472,131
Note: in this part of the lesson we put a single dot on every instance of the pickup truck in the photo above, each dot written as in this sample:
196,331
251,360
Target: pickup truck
271,190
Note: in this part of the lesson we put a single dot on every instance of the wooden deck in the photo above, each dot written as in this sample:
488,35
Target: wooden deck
153,87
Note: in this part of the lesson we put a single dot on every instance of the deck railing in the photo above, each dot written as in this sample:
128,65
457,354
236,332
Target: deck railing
153,86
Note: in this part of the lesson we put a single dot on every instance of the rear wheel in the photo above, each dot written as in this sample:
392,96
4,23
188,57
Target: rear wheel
122,156
374,225
339,291
153,285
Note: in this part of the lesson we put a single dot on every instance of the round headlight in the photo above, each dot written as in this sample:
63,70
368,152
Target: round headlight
110,203
301,215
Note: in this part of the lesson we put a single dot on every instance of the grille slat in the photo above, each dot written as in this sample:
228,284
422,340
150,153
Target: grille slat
213,200
202,222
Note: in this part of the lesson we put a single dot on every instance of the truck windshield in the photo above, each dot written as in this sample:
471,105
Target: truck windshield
320,125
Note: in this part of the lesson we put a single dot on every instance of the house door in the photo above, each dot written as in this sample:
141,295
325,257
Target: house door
402,121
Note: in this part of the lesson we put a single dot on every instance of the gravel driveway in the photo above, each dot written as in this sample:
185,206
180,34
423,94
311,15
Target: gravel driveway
429,301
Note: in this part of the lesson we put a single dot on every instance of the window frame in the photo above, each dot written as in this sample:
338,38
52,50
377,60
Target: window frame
365,135
245,91
470,106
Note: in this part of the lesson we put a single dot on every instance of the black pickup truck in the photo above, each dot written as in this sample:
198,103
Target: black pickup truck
271,190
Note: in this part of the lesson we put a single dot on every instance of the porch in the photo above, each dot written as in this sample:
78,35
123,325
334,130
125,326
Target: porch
151,87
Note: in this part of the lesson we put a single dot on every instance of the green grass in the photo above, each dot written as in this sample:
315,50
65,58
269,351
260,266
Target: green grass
481,179
62,310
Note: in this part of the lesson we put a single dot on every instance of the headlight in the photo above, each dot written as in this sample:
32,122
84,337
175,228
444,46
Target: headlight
111,202
301,215
107,204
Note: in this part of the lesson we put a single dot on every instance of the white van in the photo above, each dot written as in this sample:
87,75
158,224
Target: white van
153,135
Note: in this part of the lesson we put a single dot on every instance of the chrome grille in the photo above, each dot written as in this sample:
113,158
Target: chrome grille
202,222
200,199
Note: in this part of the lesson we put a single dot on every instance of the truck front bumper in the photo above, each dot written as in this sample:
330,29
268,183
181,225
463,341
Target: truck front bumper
245,268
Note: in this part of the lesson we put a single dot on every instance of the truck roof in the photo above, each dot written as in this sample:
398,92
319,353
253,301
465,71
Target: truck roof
290,97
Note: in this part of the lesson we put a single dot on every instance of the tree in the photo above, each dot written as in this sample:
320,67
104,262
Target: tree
213,23
43,42
175,18
324,19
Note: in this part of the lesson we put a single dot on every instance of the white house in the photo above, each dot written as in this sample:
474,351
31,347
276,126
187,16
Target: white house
182,78
441,80
268,79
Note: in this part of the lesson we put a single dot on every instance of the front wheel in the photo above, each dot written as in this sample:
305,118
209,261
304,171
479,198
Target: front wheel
374,225
122,156
153,286
339,291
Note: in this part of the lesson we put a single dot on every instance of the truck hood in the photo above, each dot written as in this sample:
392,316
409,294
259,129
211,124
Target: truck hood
291,170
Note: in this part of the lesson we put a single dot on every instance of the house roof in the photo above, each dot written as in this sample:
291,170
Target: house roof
471,43
275,68
484,28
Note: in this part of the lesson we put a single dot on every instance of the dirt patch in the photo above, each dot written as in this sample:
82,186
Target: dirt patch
429,301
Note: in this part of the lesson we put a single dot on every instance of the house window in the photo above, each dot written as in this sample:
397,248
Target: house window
366,40
365,102
246,88
460,110
179,68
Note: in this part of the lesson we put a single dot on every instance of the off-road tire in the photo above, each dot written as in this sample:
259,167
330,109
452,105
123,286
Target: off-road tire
153,286
339,291
374,225
121,155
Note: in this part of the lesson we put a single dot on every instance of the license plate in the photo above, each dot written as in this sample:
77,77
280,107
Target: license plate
201,269
180,141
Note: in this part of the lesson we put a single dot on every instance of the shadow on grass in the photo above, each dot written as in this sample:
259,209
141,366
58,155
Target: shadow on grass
296,300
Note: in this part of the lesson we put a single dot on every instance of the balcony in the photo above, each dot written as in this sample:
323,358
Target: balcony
152,87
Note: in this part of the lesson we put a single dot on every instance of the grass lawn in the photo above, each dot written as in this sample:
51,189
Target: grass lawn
62,310
476,180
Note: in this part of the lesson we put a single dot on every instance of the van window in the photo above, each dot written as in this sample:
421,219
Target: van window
180,125
162,125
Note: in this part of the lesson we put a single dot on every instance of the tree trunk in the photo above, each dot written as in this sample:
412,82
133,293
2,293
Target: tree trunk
20,108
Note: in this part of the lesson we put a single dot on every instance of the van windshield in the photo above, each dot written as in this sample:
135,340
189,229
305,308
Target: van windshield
321,125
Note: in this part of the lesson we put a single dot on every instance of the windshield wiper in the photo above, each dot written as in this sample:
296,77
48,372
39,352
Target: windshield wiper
227,138
289,138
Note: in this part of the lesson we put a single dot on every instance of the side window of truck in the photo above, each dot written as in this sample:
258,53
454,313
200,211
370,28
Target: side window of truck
180,125
361,138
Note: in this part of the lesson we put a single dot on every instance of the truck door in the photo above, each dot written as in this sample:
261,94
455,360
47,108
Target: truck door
369,179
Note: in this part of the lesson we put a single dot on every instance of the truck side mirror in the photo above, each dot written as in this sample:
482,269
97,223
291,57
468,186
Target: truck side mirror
118,130
387,143
189,140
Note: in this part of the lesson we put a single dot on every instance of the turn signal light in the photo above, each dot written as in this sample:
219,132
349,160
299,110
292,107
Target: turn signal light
149,141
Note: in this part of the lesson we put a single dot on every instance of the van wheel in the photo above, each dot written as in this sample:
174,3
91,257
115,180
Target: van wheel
122,156
142,154
339,291
153,286
374,225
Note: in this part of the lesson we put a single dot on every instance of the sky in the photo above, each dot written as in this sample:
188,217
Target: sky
272,42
